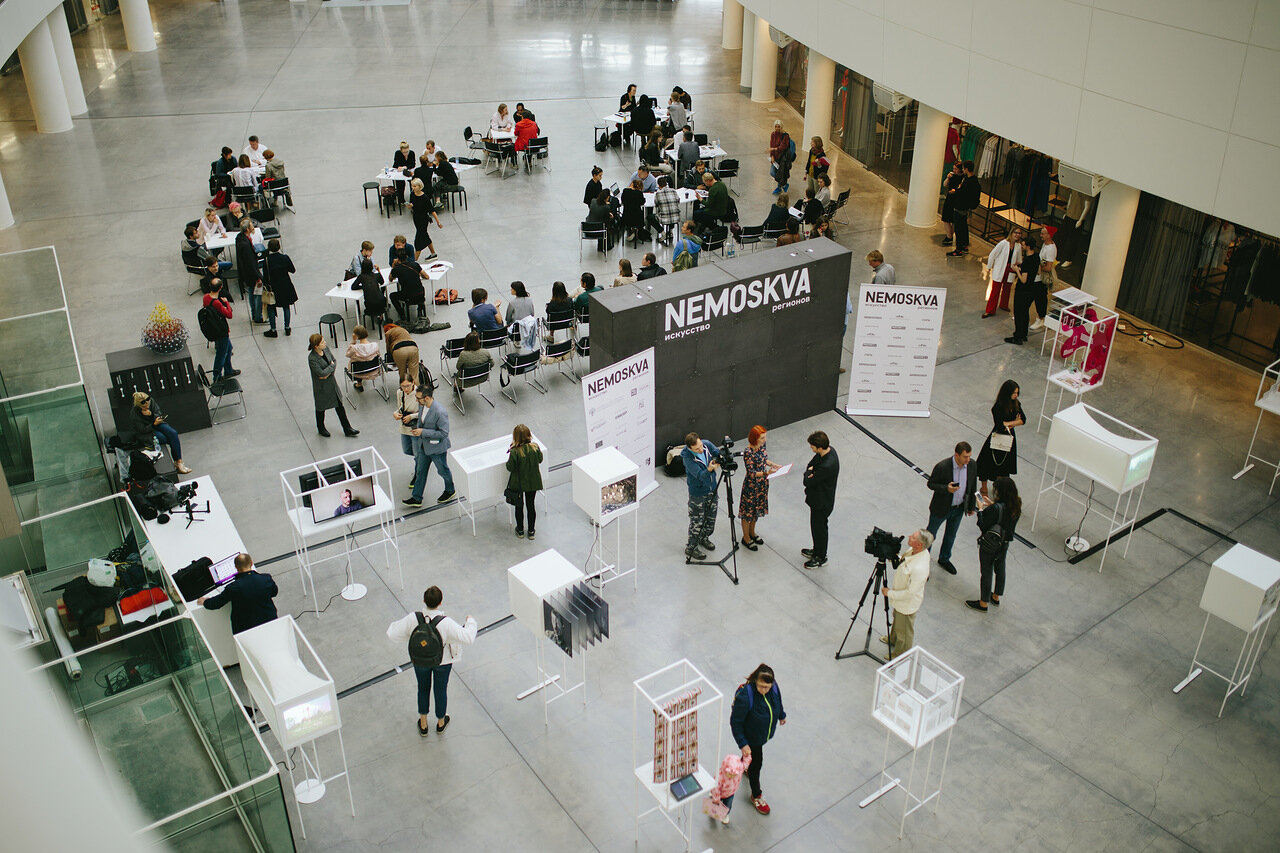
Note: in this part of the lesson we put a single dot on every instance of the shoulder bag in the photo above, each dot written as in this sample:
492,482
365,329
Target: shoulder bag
991,540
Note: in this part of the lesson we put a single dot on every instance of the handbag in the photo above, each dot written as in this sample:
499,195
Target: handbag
991,540
512,496
1000,442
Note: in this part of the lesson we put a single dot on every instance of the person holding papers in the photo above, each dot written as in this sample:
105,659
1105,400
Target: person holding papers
754,502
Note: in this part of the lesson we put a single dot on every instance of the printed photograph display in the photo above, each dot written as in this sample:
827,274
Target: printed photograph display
617,496
675,742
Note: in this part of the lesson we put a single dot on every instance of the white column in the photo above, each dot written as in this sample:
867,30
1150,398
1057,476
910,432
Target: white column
748,48
731,25
138,32
44,81
926,167
6,212
67,67
764,65
819,90
1109,245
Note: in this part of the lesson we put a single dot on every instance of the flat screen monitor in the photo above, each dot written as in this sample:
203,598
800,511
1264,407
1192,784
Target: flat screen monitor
342,500
310,719
334,473
224,570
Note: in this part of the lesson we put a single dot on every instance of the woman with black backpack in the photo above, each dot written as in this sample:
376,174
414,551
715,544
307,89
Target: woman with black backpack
757,713
996,522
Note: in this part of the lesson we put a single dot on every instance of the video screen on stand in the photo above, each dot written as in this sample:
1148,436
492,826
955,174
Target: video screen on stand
342,499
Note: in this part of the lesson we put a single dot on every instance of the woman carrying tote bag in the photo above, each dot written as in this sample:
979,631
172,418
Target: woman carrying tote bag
999,455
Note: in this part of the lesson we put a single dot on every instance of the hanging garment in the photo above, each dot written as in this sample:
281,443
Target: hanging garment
1238,270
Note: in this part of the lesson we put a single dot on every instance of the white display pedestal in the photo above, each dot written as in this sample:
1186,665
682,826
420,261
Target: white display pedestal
1108,452
300,705
917,698
529,584
212,535
336,473
1268,400
1067,297
605,488
652,692
1243,590
480,475
1086,367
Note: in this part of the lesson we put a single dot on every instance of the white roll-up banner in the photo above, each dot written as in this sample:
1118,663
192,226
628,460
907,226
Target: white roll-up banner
895,350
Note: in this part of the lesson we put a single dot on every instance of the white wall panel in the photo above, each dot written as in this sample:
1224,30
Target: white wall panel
933,71
1177,159
1045,36
944,20
1229,19
1266,25
874,7
853,34
998,97
1250,185
802,20
1258,111
1182,73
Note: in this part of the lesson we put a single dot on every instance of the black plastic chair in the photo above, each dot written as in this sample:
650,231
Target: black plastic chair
561,353
217,390
449,352
751,235
478,375
597,231
727,169
523,364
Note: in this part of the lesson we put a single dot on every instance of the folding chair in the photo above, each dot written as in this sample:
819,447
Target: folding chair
280,189
750,236
834,206
473,141
247,196
727,169
773,233
449,352
477,375
262,217
597,231
582,346
366,372
217,390
550,327
499,152
537,150
521,364
715,238
196,272
495,339
560,353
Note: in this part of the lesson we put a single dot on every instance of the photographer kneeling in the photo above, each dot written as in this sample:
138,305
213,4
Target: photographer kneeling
149,425
700,468
910,572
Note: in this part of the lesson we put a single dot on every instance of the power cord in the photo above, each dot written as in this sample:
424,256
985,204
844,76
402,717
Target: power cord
322,609
1088,502
1133,330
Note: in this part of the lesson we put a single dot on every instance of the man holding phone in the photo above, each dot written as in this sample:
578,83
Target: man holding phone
953,482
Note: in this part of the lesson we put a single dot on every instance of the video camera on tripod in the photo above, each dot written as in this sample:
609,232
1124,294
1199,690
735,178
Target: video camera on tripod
883,545
725,456
886,548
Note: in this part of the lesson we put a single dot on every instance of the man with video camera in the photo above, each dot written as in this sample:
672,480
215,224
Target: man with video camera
910,572
700,466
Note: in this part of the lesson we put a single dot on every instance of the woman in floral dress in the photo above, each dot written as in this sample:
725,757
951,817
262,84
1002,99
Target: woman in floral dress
755,487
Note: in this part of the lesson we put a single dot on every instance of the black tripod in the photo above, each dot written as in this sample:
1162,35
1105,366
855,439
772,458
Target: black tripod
190,509
877,581
726,478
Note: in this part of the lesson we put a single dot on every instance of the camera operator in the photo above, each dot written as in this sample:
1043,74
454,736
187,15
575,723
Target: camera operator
910,572
700,468
820,494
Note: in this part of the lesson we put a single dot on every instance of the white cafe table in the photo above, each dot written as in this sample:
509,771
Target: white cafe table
213,536
501,135
435,270
705,152
686,196
222,241
480,473
660,113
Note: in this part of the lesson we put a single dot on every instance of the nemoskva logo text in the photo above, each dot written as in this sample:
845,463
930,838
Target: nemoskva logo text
693,314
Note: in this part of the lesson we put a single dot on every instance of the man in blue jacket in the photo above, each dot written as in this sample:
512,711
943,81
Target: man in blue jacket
700,474
249,593
430,444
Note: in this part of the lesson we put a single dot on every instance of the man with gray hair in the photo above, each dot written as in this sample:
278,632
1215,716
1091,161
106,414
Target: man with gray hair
907,593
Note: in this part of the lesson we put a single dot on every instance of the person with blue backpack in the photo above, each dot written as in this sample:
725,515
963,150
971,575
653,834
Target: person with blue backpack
434,646
757,712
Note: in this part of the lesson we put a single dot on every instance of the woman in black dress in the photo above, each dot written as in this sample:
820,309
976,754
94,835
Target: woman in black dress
754,502
1004,511
633,207
1006,414
421,206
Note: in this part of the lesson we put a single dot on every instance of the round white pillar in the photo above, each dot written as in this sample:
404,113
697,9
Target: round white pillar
1109,245
819,90
6,212
731,25
44,81
69,71
748,48
138,32
764,65
926,167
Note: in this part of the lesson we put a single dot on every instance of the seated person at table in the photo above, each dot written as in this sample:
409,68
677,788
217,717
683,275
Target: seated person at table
362,353
243,174
403,161
779,213
716,205
665,213
209,225
501,120
812,208
370,285
685,100
410,291
582,297
642,118
255,151
595,186
226,162
677,115
518,113
693,178
472,355
249,593
792,234
626,104
650,268
235,215
446,177
148,424
648,183
526,129
633,209
687,153
429,151
212,279
348,503
651,153
601,212
400,248
275,172
366,252
195,255
483,316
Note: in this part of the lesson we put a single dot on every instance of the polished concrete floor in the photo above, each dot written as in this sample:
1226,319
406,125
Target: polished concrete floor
1070,739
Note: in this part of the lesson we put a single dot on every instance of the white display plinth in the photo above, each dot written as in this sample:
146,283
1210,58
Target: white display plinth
480,474
347,470
1106,451
212,535
1243,590
652,692
1268,400
529,584
605,488
298,698
1080,353
917,698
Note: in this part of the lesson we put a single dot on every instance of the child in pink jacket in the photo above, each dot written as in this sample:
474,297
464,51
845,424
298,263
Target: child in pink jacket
718,804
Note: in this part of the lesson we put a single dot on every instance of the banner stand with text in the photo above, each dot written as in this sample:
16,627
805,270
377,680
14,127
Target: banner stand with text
619,405
895,350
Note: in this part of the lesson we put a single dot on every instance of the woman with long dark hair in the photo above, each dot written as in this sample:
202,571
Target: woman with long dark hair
757,713
1004,513
754,501
999,455
324,387
523,458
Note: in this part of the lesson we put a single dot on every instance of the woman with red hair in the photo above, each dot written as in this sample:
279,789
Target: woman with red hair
755,487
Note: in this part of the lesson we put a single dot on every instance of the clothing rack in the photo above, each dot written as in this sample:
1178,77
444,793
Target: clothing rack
1242,303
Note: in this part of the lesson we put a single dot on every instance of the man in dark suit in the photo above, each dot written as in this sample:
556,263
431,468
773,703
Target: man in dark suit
820,494
249,593
953,482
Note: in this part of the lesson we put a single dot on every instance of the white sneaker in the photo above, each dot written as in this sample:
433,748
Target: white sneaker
725,820
1038,324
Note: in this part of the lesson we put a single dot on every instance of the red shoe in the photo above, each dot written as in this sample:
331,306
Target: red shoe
760,804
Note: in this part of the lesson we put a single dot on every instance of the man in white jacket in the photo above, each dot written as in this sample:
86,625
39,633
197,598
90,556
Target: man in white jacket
452,636
1006,255
907,593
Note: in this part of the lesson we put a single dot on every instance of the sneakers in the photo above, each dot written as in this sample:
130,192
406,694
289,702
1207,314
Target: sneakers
760,804
693,554
431,257
519,533
444,499
947,241
412,501
1037,325
806,552
230,373
531,535
724,821
707,544
995,601
958,253
270,333
815,562
776,190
